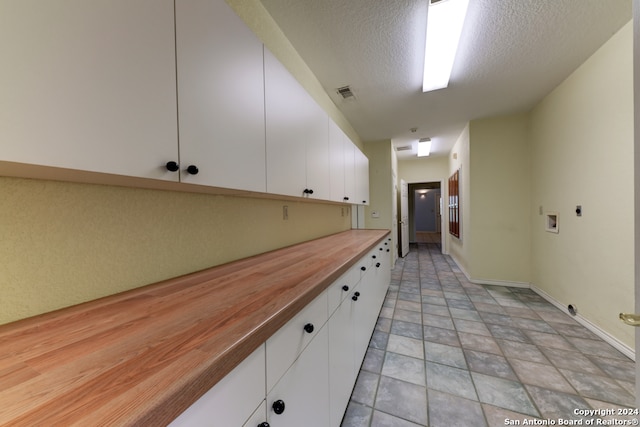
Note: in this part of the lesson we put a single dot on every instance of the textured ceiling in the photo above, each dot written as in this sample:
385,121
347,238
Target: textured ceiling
512,53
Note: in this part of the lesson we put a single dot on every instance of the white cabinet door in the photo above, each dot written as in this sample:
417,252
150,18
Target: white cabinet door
294,122
258,417
365,313
303,392
317,155
350,195
342,365
233,400
288,342
89,85
337,141
220,96
362,178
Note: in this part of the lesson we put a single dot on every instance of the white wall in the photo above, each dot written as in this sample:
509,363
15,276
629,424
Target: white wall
582,154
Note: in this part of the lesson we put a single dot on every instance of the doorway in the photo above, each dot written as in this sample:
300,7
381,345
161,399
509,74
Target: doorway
425,213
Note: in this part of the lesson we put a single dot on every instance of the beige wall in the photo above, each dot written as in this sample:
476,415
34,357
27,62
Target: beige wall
582,154
65,243
500,197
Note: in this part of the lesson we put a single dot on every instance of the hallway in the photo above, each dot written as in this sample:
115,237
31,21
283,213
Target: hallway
447,352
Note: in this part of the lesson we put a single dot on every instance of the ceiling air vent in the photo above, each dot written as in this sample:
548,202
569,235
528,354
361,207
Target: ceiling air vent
404,148
345,92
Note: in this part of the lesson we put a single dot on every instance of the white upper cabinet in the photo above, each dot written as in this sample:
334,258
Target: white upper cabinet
337,143
297,136
220,97
89,85
362,178
350,173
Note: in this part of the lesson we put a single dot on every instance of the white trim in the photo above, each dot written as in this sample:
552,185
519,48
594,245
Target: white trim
610,339
490,282
607,337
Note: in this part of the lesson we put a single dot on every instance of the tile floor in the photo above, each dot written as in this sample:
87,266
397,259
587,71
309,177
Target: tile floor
447,353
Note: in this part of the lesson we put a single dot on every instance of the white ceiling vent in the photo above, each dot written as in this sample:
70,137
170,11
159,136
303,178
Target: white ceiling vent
404,148
345,92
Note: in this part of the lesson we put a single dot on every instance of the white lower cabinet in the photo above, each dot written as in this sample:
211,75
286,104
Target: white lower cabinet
301,397
259,416
233,400
284,347
343,367
308,368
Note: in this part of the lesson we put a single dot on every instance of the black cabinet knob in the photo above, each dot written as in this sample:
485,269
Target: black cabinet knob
377,264
363,268
345,288
355,298
387,250
345,198
172,166
307,191
278,406
356,294
308,328
373,256
265,424
364,201
379,248
193,169
385,243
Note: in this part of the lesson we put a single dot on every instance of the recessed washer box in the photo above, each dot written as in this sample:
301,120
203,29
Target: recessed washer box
552,220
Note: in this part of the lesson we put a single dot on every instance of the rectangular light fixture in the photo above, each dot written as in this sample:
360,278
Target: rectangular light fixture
445,20
424,147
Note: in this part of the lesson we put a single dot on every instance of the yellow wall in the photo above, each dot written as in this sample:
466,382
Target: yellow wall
582,154
66,243
500,180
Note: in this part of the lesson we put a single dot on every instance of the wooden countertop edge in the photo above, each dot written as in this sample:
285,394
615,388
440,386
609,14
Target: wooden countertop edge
179,390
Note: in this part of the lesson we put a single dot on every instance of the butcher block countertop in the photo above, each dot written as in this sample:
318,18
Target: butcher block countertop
143,356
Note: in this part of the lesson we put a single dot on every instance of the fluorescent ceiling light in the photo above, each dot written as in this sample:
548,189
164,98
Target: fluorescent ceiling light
424,147
444,26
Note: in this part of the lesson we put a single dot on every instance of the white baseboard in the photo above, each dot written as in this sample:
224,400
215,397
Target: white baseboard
607,337
616,343
490,282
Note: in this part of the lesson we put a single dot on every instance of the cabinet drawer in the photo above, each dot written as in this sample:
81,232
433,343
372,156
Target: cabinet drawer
233,399
337,291
365,263
286,345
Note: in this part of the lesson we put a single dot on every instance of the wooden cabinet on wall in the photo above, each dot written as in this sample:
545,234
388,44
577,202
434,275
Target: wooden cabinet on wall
89,85
220,97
